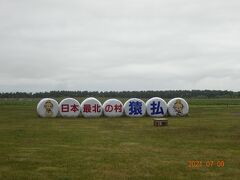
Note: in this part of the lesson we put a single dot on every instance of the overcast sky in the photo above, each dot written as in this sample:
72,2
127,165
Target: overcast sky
119,45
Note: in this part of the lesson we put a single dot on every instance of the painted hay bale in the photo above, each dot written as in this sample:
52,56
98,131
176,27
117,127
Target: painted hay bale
47,107
113,108
91,107
156,107
69,107
178,107
135,107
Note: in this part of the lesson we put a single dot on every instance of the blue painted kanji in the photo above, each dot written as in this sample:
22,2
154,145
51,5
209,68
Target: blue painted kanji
156,108
135,108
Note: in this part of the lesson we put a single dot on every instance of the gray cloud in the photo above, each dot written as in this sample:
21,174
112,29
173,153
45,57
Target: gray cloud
119,45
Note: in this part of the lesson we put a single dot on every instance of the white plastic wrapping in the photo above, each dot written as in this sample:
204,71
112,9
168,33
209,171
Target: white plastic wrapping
156,107
113,108
47,107
91,107
69,107
178,107
135,107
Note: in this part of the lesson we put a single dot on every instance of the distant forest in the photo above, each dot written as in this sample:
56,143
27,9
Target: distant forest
127,94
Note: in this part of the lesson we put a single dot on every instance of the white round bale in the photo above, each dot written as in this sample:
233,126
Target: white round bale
156,107
113,108
91,107
135,107
178,107
69,107
47,107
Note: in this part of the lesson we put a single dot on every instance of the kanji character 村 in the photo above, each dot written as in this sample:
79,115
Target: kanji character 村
87,108
118,108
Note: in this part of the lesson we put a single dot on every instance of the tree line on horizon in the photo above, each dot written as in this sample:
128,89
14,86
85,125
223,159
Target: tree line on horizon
126,94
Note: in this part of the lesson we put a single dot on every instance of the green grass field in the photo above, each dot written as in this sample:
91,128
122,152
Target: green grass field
121,148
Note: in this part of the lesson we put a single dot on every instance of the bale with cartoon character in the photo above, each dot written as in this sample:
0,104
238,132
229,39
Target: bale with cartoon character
178,107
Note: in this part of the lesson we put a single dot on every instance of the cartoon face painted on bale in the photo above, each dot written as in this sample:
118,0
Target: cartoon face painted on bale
48,107
178,107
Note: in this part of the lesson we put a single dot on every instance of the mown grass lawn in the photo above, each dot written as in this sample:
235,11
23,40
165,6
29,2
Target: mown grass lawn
121,148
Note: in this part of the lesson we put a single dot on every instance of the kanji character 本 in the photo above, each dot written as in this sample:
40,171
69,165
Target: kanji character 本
74,107
96,108
87,108
135,108
65,107
109,108
118,108
156,108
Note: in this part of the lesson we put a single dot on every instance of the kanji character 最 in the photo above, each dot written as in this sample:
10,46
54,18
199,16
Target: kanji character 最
87,108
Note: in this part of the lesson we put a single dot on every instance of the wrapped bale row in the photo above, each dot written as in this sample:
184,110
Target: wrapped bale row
91,107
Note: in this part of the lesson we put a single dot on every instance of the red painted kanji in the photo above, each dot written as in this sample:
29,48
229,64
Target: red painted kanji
87,108
74,107
96,108
65,107
118,108
109,108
